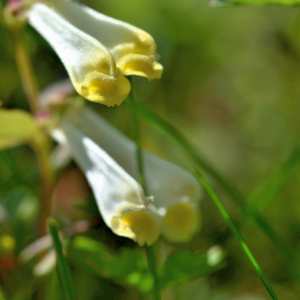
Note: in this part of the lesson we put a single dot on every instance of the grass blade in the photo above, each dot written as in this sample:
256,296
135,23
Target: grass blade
63,270
236,194
266,192
191,152
236,232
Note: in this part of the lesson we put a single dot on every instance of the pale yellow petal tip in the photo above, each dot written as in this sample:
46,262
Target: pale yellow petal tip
141,65
181,222
107,91
139,226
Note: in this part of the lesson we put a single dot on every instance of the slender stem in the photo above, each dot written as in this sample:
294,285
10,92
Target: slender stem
62,266
286,252
139,152
41,147
25,70
150,251
236,232
42,150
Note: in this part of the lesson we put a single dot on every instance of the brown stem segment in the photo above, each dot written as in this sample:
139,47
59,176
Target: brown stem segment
25,70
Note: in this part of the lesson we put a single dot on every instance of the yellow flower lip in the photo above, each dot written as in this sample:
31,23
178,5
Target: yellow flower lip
181,222
141,65
109,92
140,226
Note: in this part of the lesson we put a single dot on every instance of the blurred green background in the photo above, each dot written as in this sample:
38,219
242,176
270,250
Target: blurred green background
231,85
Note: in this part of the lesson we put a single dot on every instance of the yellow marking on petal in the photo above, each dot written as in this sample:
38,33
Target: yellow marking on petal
181,222
108,92
151,71
142,225
141,65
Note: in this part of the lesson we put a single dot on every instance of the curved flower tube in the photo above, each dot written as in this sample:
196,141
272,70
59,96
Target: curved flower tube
134,50
120,199
176,192
90,65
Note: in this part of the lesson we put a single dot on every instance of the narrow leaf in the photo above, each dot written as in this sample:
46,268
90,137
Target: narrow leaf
266,192
236,232
235,193
63,270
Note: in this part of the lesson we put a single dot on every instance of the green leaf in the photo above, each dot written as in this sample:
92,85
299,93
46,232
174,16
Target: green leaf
184,266
128,268
17,127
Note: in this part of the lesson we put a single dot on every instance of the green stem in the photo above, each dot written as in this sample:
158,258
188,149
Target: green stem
25,70
285,251
150,251
42,149
63,270
236,232
139,153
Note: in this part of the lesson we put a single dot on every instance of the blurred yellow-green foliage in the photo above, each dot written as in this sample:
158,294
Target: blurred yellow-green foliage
231,85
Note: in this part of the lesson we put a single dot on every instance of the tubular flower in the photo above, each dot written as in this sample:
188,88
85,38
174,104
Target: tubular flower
95,49
90,65
134,50
120,199
176,192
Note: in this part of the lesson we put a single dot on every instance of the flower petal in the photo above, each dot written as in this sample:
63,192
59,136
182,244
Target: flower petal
90,65
120,198
134,49
176,192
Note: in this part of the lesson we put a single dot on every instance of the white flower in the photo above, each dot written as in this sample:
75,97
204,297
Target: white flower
90,65
120,199
96,50
134,50
176,192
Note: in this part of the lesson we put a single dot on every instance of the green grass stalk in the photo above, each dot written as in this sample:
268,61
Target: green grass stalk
283,248
236,232
63,271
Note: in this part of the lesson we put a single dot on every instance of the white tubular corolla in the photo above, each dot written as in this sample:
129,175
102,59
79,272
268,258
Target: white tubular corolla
120,198
176,192
134,50
91,67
